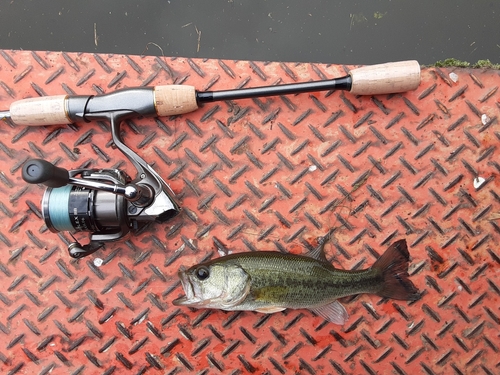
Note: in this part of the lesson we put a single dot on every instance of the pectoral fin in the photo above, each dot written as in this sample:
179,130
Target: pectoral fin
333,312
270,310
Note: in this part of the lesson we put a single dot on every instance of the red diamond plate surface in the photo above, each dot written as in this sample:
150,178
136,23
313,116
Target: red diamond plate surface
264,174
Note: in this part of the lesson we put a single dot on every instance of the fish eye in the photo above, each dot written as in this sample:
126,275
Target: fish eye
202,273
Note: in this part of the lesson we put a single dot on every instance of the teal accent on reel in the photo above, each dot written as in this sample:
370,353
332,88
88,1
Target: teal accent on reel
58,203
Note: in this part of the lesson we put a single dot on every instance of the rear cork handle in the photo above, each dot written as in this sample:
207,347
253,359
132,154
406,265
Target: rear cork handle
47,110
385,78
174,99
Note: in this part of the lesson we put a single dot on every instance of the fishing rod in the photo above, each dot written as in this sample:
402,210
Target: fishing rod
168,100
107,202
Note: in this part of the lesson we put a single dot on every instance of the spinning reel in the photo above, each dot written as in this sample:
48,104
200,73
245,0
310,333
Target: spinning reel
105,202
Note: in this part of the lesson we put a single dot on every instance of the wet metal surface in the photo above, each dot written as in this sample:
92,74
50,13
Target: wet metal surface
263,174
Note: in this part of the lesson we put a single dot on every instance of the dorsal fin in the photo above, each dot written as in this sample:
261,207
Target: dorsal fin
319,251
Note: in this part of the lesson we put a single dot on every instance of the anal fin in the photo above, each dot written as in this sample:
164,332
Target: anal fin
333,312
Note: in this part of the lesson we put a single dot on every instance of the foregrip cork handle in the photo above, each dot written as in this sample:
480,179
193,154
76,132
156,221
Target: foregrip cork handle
174,99
385,78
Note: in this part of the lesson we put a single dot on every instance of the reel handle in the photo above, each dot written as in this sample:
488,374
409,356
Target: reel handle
38,171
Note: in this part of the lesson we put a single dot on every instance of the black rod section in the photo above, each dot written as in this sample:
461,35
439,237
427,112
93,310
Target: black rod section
343,83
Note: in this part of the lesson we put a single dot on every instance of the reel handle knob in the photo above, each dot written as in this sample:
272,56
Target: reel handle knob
38,171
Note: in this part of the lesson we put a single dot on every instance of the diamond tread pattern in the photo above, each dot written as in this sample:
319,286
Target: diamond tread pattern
263,174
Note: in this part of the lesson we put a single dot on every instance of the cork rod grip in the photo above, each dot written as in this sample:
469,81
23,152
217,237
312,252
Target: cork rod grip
47,110
174,99
385,78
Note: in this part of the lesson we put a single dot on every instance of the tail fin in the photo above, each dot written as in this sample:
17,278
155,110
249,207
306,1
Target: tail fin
393,265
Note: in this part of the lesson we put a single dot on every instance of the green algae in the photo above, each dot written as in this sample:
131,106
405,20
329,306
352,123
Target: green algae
484,64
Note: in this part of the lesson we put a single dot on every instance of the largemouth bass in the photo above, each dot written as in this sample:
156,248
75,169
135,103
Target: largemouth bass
268,282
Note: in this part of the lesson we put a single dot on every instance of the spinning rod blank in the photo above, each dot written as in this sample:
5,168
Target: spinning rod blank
343,83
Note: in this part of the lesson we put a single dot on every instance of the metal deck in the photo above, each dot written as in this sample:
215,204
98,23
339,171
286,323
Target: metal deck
268,174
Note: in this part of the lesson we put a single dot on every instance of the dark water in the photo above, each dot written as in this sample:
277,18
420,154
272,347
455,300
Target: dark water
357,32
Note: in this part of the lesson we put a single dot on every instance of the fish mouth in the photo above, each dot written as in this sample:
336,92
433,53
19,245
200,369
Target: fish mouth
188,298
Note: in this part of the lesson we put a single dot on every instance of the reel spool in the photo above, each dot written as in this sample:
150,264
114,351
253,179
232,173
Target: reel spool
73,208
